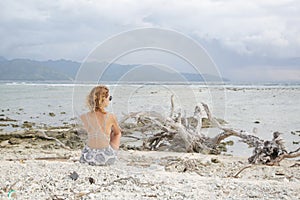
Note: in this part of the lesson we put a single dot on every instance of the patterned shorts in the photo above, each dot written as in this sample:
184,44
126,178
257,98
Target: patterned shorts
105,156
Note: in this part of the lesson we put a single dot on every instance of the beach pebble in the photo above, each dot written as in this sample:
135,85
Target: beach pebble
4,143
39,179
215,160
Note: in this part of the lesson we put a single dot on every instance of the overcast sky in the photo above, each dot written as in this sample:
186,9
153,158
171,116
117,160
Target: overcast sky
248,40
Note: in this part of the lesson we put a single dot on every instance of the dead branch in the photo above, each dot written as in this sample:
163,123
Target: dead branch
51,158
172,106
53,138
291,152
283,156
236,175
210,117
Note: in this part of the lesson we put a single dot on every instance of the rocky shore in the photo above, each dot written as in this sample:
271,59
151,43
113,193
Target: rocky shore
31,171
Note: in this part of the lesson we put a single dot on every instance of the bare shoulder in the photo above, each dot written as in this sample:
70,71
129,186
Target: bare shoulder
112,117
86,116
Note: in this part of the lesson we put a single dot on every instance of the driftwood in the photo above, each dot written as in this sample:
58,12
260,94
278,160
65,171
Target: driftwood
236,175
179,133
44,135
52,158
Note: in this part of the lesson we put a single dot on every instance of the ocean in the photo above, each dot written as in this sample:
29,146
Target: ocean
263,107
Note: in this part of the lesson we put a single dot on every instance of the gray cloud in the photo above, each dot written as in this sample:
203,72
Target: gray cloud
71,29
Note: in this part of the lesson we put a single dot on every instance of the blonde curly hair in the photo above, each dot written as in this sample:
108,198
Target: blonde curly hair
96,98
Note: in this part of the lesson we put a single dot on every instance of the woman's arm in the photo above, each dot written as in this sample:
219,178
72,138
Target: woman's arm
116,134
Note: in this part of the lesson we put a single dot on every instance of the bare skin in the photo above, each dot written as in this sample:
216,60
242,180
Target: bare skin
93,122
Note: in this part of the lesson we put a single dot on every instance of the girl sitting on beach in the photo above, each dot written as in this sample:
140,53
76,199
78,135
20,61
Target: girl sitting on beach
103,130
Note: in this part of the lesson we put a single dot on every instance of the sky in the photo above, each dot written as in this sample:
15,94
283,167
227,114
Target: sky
248,40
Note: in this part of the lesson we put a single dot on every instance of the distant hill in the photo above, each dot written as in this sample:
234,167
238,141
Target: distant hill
30,70
65,70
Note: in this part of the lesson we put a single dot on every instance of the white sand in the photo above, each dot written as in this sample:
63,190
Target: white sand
145,175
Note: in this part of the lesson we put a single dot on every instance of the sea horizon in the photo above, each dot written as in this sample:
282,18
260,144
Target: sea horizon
113,83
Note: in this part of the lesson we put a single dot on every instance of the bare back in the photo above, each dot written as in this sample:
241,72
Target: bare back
99,127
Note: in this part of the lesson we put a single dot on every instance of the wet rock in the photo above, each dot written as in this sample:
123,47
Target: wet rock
230,143
63,113
51,114
221,147
27,124
74,144
47,146
15,141
69,137
7,119
14,125
205,123
4,124
295,133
